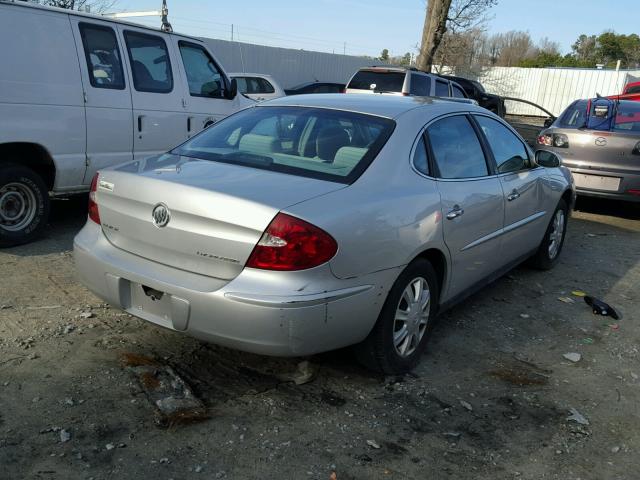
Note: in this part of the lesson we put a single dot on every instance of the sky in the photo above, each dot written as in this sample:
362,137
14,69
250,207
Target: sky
365,27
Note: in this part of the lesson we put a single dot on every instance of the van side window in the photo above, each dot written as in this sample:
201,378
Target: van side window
150,63
442,89
457,92
203,75
420,85
103,56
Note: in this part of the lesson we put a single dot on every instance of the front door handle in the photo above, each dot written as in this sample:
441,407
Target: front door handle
513,195
455,213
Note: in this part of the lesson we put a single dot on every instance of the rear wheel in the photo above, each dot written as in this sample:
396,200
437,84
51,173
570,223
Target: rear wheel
551,246
399,337
24,205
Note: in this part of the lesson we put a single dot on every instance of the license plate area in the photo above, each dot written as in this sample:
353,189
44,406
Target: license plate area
159,307
597,182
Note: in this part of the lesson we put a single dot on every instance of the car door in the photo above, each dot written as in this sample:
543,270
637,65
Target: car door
206,99
107,95
158,114
520,177
472,201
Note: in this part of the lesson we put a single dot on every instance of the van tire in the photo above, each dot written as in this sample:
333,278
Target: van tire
24,205
379,351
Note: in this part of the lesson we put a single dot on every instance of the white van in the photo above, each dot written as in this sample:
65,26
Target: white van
80,92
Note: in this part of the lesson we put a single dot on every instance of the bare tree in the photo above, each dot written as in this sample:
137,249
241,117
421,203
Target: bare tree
97,6
448,15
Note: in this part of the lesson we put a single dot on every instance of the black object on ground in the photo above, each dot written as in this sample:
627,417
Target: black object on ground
601,308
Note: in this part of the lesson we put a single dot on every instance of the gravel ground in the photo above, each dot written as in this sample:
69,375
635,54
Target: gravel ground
491,398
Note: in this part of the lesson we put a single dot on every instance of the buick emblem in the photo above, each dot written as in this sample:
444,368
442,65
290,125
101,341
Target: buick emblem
601,141
161,215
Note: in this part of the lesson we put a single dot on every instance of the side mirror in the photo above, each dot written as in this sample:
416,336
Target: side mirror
548,122
232,91
548,159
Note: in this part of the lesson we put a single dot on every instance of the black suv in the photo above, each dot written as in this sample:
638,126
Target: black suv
475,90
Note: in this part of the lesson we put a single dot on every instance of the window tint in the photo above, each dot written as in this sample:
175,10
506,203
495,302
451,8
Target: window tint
379,81
509,152
420,85
574,116
456,148
312,142
442,89
457,92
634,89
203,76
265,86
420,157
150,63
627,117
102,56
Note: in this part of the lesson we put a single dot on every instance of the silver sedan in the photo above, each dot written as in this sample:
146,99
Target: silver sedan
310,223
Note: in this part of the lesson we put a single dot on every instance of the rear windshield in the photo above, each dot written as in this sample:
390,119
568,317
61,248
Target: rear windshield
627,117
575,116
378,81
311,142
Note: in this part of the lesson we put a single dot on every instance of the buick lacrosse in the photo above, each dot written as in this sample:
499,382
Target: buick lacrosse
315,222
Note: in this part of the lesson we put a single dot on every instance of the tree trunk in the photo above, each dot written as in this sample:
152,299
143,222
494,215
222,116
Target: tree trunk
435,26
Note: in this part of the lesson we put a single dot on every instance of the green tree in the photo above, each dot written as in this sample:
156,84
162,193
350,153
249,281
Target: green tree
384,55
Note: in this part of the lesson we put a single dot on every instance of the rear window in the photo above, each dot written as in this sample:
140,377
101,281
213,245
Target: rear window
634,89
311,142
575,116
378,81
627,117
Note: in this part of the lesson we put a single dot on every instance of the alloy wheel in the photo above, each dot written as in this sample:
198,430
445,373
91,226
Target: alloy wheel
411,317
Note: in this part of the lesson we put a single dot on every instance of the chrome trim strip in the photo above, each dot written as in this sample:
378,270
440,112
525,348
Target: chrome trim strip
502,231
296,301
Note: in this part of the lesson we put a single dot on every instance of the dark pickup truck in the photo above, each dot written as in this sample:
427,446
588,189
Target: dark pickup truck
476,91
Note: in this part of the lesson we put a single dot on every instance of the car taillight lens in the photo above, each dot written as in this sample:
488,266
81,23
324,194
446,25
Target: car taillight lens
94,214
545,139
290,243
560,140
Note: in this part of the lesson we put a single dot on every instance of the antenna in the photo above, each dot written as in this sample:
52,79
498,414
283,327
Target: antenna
166,26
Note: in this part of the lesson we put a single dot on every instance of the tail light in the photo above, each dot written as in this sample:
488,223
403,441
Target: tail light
545,140
634,191
560,140
94,214
290,243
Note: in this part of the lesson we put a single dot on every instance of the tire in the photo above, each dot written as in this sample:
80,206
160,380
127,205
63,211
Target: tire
24,205
379,351
548,252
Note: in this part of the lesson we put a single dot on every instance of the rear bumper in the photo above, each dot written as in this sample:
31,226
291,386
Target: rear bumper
628,181
270,313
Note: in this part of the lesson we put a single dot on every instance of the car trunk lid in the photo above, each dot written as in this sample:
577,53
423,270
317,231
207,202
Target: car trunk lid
216,212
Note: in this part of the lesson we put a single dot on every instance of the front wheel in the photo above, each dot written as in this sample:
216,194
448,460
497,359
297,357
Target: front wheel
549,250
403,328
24,205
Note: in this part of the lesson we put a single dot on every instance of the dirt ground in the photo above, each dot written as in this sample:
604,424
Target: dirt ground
490,399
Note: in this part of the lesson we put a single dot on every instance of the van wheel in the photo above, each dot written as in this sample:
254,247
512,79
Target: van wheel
404,325
24,205
549,251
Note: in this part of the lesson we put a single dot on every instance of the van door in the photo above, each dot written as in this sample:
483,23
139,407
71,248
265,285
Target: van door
207,85
107,96
158,111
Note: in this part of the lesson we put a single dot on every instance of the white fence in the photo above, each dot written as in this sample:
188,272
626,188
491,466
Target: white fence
288,66
552,88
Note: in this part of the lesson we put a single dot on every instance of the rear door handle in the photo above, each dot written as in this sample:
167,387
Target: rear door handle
513,195
455,213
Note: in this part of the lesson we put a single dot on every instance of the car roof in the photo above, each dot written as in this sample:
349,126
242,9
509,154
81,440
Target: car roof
389,106
93,16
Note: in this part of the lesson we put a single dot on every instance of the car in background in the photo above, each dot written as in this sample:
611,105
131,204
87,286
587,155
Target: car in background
402,81
599,141
475,90
315,87
631,91
258,86
311,223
